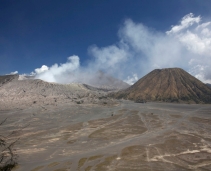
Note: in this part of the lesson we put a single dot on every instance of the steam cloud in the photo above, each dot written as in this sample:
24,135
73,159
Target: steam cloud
13,73
59,73
140,50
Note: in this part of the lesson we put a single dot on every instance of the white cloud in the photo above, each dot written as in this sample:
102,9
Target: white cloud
41,70
197,40
58,73
194,43
153,49
131,79
140,50
200,72
13,73
109,56
203,25
185,45
186,22
193,34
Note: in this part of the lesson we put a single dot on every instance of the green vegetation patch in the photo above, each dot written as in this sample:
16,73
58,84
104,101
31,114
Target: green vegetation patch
94,157
37,168
53,164
81,162
88,168
103,166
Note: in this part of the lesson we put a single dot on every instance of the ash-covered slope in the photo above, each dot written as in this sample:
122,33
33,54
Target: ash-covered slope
7,78
20,93
171,84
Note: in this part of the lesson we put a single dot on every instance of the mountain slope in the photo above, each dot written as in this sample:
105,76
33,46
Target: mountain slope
24,93
171,84
7,78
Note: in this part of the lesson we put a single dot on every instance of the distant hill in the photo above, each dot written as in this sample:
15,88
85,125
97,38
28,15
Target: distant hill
169,85
209,85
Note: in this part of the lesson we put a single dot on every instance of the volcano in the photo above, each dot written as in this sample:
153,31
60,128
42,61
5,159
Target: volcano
20,93
168,85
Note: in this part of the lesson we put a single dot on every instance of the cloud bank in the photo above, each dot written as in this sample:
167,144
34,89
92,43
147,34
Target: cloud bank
139,50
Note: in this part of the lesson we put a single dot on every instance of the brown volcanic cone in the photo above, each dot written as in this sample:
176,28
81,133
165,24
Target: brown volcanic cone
171,84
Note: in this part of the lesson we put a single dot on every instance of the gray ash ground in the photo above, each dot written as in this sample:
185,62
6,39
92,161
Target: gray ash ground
126,136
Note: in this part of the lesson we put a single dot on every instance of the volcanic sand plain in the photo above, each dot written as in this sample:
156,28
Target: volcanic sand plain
126,136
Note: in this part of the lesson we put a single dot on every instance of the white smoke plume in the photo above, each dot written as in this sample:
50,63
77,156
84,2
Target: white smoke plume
140,50
41,70
62,73
13,73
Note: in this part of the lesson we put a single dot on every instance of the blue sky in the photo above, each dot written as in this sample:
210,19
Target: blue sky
43,32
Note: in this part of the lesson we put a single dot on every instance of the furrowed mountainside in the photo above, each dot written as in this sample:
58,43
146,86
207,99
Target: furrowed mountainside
168,85
15,93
